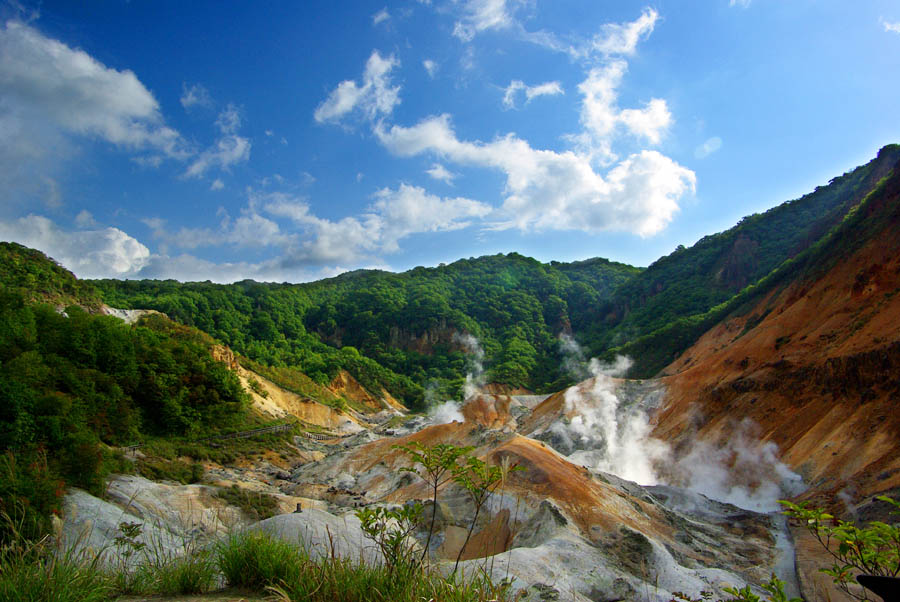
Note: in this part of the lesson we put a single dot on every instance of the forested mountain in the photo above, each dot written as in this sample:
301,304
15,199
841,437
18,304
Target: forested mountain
402,331
414,324
691,281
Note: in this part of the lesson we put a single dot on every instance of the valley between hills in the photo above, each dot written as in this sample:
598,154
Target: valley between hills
646,421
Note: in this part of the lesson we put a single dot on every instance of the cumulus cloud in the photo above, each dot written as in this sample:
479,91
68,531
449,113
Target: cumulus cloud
601,116
557,190
229,120
53,93
217,184
482,15
613,40
84,219
250,229
516,86
410,210
622,38
373,98
891,27
43,79
710,146
99,253
430,67
195,95
394,215
230,149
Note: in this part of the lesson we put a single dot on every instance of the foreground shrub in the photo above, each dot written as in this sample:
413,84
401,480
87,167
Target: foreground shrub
259,561
35,572
870,550
193,573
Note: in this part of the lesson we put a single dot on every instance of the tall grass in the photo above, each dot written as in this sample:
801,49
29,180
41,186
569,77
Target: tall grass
260,561
43,572
33,571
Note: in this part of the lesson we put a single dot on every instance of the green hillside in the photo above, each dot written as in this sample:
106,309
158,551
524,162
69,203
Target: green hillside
396,330
691,281
73,384
872,208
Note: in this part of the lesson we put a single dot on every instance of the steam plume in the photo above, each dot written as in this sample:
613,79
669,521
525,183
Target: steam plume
611,436
475,360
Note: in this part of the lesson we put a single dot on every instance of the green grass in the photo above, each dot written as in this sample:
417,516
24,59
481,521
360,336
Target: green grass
193,573
252,503
221,451
258,561
33,572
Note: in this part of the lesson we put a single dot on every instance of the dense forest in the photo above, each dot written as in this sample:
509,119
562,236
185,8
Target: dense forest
401,331
73,384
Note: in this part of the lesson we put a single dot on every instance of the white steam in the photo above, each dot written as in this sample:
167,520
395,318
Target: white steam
744,471
615,437
445,413
475,359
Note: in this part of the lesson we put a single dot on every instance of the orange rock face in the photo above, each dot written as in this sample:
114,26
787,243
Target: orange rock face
816,364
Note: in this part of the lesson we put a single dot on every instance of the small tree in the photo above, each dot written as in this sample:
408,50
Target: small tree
390,530
479,479
871,550
440,464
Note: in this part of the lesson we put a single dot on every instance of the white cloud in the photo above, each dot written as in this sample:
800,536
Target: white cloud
439,172
741,3
891,27
381,16
710,146
53,193
107,252
84,219
44,81
52,98
410,210
649,122
229,120
195,95
482,15
553,190
217,184
531,92
250,230
348,240
622,39
375,97
613,39
394,215
430,67
228,150
600,114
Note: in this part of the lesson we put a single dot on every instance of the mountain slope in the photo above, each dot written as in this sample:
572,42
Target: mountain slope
689,282
414,324
812,358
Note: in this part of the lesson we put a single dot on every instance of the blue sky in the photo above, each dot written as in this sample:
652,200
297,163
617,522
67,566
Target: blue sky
290,141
